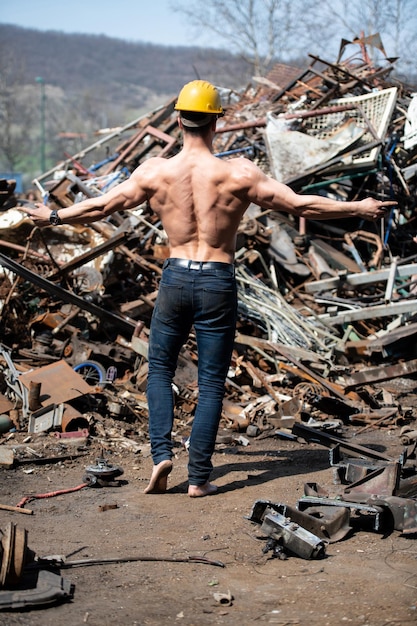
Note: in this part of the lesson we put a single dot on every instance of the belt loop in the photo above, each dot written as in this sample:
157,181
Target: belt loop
189,265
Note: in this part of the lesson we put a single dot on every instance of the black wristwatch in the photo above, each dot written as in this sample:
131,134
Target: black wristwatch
54,218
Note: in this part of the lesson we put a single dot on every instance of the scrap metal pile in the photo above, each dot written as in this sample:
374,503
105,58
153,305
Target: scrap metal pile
327,310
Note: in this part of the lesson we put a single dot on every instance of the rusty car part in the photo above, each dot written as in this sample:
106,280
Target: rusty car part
103,474
372,238
388,512
332,388
18,589
327,524
48,588
376,514
384,475
291,536
14,554
383,481
403,511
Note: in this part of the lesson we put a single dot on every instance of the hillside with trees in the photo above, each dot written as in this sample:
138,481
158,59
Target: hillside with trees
77,62
82,83
58,90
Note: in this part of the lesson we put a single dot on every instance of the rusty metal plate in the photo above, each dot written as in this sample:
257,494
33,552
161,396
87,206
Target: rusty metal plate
5,404
59,383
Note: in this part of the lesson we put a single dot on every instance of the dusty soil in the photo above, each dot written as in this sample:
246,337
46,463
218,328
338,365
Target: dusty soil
366,579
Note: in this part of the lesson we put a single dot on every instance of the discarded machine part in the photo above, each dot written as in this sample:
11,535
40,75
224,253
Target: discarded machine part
258,510
401,513
389,511
408,435
328,524
62,417
283,524
376,514
14,554
92,372
293,537
382,481
46,418
350,470
395,477
50,588
381,477
102,474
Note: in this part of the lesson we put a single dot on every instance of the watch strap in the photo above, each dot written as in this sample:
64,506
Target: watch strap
54,218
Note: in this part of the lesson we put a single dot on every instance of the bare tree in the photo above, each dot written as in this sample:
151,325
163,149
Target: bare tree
260,31
265,31
394,20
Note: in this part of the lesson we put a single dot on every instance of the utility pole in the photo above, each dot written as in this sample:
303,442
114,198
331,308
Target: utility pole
41,82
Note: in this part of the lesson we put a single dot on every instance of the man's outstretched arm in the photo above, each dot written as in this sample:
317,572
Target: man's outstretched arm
271,194
126,195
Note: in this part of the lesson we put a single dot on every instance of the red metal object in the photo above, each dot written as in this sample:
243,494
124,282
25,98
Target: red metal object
73,434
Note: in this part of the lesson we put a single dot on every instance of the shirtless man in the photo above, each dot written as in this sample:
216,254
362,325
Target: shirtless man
200,200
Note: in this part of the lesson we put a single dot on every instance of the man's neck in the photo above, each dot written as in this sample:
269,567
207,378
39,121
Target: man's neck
194,142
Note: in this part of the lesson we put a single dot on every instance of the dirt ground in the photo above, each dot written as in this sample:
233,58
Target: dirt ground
366,579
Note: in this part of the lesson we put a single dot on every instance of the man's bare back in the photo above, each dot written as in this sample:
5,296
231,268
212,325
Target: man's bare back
201,199
198,199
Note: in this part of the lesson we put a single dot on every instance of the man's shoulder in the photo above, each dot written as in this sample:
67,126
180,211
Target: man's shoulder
243,163
149,167
242,167
152,162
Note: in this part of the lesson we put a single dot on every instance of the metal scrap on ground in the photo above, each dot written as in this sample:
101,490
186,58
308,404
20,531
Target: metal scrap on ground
327,310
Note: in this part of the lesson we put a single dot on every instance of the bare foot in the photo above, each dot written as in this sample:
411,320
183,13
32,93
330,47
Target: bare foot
199,491
159,478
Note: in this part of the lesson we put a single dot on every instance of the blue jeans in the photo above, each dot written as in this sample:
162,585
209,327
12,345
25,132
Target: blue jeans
204,296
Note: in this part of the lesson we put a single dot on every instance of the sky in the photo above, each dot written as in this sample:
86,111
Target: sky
151,21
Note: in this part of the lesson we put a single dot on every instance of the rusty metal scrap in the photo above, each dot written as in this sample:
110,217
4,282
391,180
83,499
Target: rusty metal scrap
372,480
344,292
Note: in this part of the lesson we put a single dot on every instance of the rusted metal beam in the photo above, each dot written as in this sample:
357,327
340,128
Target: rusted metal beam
329,441
251,124
66,296
372,312
361,278
97,251
378,374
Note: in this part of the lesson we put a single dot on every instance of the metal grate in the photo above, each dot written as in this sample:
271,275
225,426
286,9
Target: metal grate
372,112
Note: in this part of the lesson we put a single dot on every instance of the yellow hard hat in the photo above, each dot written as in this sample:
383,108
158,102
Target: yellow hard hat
199,96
